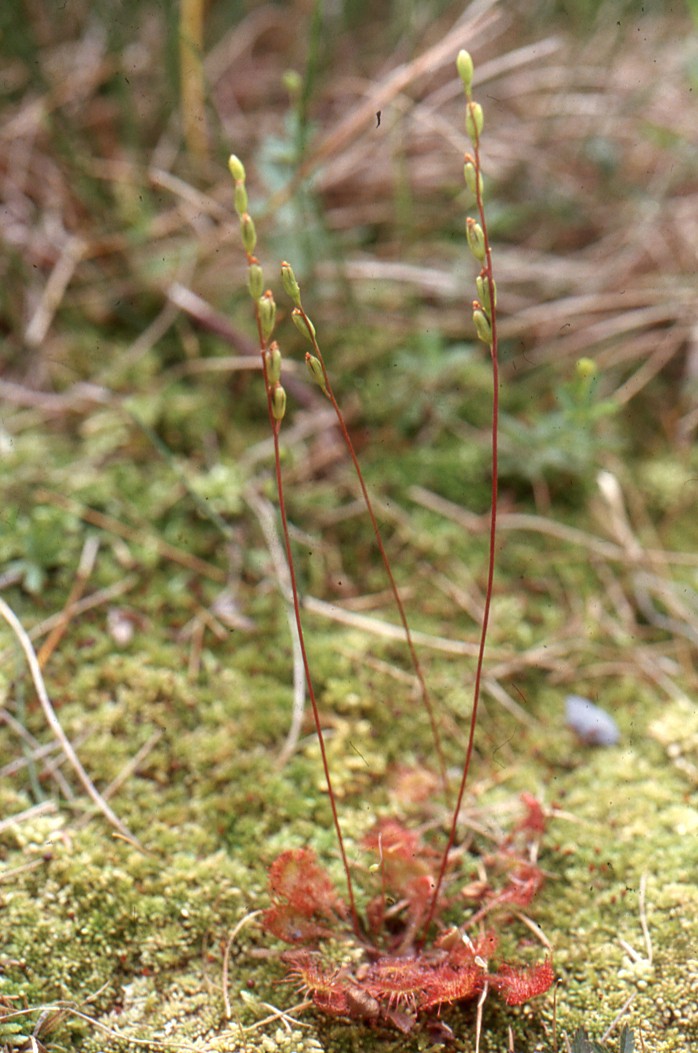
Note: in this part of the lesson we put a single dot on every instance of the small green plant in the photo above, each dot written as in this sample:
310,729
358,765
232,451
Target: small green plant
564,442
581,1043
33,544
408,970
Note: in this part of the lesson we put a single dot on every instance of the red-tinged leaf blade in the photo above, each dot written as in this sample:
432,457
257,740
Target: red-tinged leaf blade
298,879
520,985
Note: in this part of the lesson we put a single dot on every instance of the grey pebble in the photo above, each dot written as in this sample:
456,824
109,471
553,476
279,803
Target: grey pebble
593,725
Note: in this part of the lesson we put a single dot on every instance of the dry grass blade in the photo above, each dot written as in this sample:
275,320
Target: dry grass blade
85,567
226,958
387,630
618,1017
63,1008
38,752
55,725
133,765
96,599
113,526
78,397
479,19
55,290
523,521
267,521
44,808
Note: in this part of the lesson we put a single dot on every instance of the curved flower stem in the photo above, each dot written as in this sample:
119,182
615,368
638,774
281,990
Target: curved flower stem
384,556
492,318
265,316
275,423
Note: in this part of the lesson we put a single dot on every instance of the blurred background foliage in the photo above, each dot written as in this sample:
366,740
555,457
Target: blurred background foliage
590,162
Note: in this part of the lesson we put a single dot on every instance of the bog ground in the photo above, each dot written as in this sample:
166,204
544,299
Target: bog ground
140,550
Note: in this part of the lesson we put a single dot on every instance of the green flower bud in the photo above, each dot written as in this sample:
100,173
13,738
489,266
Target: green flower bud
474,120
237,168
288,280
483,292
473,178
303,324
587,373
249,234
586,367
315,369
476,239
482,324
464,65
240,199
293,82
278,402
272,358
267,314
255,280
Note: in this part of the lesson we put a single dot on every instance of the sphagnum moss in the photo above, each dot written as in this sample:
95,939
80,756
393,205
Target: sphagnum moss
598,858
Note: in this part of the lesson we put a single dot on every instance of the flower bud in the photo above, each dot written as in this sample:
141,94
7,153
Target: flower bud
473,179
278,402
240,199
249,234
482,324
483,291
315,369
272,358
464,65
476,239
267,314
255,279
288,280
293,83
474,119
587,373
237,169
586,367
303,324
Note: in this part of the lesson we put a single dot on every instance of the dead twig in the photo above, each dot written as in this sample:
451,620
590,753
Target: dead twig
44,808
95,599
85,567
226,958
264,511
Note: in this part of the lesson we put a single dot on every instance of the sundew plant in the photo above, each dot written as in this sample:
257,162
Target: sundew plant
414,959
170,870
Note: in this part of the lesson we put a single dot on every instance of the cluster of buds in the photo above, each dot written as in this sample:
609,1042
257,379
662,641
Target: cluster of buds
477,240
249,234
265,306
272,369
304,326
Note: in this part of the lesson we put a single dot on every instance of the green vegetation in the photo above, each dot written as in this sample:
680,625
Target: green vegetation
127,419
